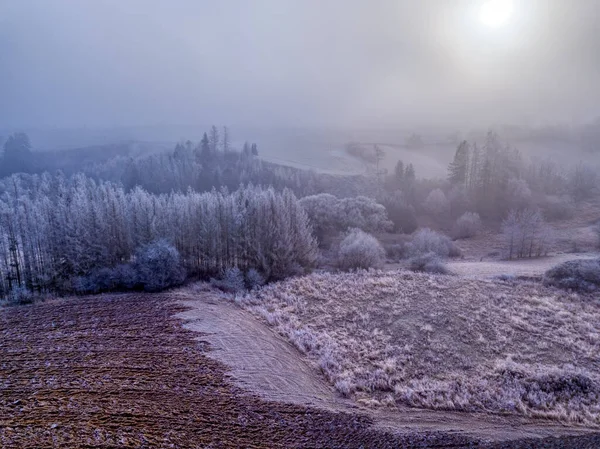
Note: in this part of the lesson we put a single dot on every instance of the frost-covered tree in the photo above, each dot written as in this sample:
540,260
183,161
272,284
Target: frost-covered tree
458,169
436,204
323,212
363,213
400,212
526,234
56,230
16,155
330,214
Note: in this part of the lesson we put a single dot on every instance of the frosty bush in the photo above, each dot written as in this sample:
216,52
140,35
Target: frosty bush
428,263
121,277
19,296
582,275
231,282
101,280
468,225
557,208
428,241
517,194
254,279
396,251
401,214
360,250
158,266
322,210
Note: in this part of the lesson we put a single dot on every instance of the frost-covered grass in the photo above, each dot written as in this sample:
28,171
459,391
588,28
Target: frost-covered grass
444,342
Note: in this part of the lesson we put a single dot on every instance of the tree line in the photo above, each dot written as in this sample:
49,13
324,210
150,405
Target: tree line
495,178
55,230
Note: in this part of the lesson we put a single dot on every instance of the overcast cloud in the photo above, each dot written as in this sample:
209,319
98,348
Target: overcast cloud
295,62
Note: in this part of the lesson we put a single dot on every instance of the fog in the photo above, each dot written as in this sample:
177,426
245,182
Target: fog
105,63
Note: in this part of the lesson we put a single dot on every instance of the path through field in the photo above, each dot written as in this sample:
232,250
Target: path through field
523,267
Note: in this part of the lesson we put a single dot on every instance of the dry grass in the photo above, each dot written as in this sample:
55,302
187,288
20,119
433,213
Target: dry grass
443,342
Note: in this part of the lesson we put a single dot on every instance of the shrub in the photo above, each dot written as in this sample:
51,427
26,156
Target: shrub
254,279
121,277
583,182
557,208
428,263
20,296
581,275
517,194
360,250
126,276
506,277
158,266
231,282
428,241
322,211
396,251
401,214
458,200
468,225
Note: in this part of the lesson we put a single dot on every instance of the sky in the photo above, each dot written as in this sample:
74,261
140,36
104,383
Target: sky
353,63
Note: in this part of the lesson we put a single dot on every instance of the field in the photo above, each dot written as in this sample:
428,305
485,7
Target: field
529,268
122,372
444,342
139,371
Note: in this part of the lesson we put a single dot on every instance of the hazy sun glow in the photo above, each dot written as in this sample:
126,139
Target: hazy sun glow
495,13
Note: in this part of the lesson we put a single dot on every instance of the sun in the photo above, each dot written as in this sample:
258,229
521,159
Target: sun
496,13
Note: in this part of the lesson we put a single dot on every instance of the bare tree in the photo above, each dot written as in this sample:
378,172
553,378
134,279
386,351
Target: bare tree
526,234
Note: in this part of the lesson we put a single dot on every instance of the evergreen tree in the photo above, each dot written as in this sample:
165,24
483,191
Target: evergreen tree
399,171
205,149
226,140
214,140
17,155
458,169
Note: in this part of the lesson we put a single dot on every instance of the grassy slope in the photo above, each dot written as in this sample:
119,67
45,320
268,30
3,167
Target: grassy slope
445,342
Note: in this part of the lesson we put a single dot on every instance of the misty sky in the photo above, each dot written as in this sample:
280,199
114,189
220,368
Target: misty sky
71,63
